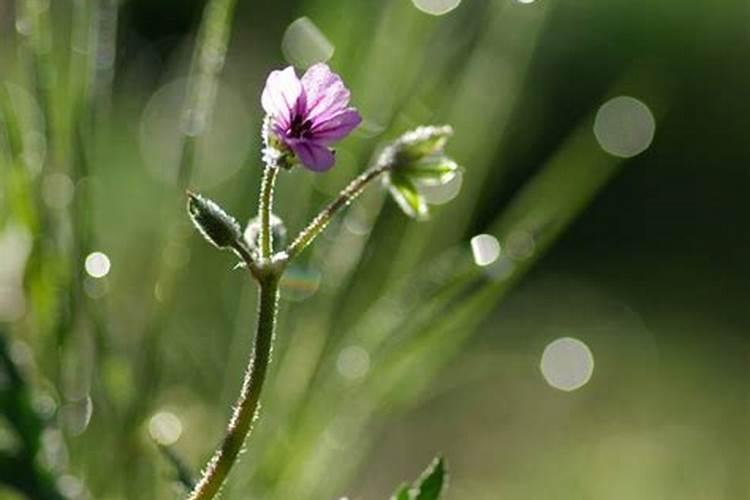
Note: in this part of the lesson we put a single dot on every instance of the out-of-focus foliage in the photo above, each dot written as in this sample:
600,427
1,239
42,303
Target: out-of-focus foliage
608,137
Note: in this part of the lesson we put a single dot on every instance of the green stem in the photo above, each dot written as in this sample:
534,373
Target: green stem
247,404
264,207
345,197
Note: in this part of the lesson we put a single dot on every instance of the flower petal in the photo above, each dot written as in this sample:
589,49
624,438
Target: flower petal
313,155
337,126
325,92
281,94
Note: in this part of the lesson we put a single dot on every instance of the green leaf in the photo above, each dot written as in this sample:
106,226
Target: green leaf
218,227
429,486
407,196
402,493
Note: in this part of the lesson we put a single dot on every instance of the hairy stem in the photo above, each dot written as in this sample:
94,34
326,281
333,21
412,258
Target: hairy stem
246,406
345,197
264,207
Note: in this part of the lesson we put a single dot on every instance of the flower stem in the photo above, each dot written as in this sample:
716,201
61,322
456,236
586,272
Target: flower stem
247,404
264,207
345,197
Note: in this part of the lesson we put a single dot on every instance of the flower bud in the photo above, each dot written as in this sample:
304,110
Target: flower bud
218,227
417,158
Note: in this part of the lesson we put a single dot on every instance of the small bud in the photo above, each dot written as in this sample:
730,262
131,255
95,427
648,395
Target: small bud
218,227
278,231
417,158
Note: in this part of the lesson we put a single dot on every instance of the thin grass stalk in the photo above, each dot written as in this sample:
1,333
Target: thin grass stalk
207,63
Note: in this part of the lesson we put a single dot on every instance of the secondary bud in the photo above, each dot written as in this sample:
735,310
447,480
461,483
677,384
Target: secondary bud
417,158
218,227
278,232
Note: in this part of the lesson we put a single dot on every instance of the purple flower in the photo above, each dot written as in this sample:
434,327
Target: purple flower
310,113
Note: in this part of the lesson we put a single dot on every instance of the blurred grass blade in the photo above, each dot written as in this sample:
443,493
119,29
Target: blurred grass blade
208,61
538,214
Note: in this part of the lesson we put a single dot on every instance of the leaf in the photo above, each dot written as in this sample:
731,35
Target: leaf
402,493
429,486
407,196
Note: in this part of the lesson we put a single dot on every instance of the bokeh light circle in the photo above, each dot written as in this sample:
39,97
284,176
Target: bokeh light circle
221,137
165,428
441,194
304,44
624,126
353,362
57,190
567,364
436,7
485,248
97,265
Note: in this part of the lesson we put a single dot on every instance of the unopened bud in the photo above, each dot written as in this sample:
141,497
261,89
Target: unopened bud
417,158
278,232
218,227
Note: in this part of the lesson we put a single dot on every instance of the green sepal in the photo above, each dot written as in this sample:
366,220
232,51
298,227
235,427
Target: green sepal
407,195
218,227
421,142
432,170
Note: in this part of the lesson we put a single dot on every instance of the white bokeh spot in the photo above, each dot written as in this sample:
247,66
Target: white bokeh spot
567,364
485,248
624,127
165,428
436,7
97,265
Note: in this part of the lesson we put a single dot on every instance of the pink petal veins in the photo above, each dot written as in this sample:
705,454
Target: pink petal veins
281,94
325,92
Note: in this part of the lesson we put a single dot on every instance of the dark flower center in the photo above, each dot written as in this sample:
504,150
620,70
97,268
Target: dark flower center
299,127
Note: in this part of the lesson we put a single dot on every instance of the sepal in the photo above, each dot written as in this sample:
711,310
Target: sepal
406,195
